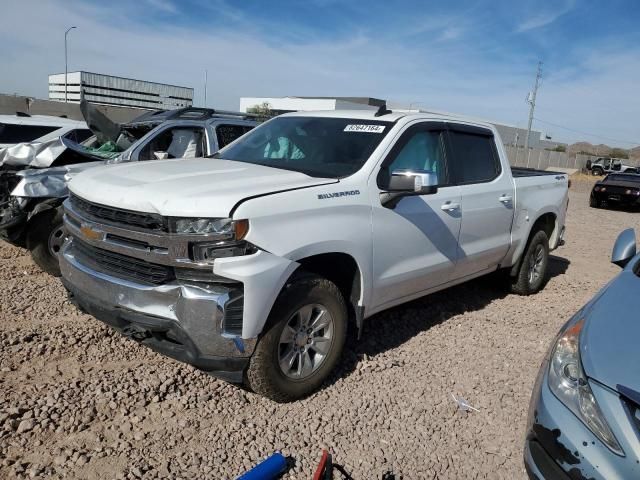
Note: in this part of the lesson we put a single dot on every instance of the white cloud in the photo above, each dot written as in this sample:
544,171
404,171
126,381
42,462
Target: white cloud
163,5
542,19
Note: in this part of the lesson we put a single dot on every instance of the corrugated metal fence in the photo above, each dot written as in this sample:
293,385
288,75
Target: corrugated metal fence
543,159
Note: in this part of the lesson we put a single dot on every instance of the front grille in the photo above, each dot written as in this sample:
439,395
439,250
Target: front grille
147,221
122,266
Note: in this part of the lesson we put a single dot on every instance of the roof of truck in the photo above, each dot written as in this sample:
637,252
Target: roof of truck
394,115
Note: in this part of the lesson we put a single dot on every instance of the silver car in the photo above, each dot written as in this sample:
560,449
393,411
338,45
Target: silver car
584,416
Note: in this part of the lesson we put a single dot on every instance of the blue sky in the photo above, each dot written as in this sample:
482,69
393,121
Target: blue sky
470,57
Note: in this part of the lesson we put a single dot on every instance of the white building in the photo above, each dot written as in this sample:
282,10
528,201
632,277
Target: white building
110,90
280,105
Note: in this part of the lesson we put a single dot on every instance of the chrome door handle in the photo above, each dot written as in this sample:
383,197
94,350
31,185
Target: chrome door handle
506,198
449,206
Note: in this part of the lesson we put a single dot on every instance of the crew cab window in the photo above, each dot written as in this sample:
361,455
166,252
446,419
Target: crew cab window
178,142
475,159
421,151
78,135
316,146
10,133
228,133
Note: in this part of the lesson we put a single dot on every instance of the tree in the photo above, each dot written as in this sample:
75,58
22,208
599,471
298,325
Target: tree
263,109
619,153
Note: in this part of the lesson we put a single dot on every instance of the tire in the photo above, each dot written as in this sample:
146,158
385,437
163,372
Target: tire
526,282
264,375
593,203
44,240
597,172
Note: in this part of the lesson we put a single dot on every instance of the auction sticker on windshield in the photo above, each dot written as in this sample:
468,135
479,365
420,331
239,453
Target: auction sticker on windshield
364,128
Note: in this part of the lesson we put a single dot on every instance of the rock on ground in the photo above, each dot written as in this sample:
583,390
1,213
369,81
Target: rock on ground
79,401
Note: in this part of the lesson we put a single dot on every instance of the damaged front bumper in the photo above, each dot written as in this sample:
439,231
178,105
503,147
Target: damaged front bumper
181,320
559,446
13,219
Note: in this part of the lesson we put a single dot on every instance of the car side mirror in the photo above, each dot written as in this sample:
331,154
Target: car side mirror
404,183
413,182
625,248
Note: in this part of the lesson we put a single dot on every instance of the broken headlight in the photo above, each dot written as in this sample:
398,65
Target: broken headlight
569,384
225,227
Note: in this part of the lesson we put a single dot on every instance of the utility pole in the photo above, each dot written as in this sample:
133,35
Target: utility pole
205,88
65,62
531,100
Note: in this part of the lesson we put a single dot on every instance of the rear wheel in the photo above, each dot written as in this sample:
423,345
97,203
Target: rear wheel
303,342
45,238
532,272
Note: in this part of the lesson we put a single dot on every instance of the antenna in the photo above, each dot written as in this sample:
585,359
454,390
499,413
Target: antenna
382,110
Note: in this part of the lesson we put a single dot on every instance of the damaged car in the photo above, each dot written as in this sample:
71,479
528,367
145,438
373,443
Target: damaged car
34,177
584,416
23,127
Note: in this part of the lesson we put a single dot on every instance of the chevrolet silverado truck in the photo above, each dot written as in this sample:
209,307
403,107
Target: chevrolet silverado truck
31,198
252,267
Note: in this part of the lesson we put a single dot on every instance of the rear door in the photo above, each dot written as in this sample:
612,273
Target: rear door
225,133
415,242
176,140
487,199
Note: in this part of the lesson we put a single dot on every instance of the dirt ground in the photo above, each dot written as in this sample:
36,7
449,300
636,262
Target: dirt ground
78,401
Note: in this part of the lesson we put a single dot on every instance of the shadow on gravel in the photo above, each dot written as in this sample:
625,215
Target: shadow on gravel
393,327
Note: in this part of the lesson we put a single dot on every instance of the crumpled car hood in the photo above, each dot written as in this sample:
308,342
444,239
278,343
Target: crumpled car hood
200,187
48,182
35,155
609,347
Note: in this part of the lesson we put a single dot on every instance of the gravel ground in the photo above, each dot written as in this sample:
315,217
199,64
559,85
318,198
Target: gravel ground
79,401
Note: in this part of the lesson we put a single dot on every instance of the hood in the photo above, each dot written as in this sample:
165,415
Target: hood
54,153
48,182
609,341
200,187
36,154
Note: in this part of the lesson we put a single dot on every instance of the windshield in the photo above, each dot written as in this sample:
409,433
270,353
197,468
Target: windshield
318,147
624,178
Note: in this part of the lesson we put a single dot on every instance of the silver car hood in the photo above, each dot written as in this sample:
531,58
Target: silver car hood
610,340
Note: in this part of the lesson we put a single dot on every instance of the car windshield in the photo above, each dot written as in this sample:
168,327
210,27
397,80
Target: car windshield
318,147
624,178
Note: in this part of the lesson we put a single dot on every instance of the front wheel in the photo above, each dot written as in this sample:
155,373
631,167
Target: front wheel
593,203
45,238
303,342
533,267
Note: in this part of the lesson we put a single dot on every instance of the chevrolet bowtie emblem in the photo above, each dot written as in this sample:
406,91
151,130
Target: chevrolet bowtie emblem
89,233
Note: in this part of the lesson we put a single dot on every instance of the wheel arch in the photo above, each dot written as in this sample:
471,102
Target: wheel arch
343,270
548,223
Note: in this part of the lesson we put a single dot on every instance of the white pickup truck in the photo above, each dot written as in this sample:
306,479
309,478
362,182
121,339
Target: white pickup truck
252,266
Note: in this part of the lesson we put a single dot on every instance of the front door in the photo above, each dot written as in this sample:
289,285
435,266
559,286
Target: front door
415,242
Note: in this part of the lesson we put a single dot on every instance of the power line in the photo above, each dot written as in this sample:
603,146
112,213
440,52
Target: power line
587,133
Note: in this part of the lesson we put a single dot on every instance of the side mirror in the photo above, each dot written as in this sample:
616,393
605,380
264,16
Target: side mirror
625,248
413,182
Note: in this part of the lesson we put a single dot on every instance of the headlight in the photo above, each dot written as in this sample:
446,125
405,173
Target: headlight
226,227
568,382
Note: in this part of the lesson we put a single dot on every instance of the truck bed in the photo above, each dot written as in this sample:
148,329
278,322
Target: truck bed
518,172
